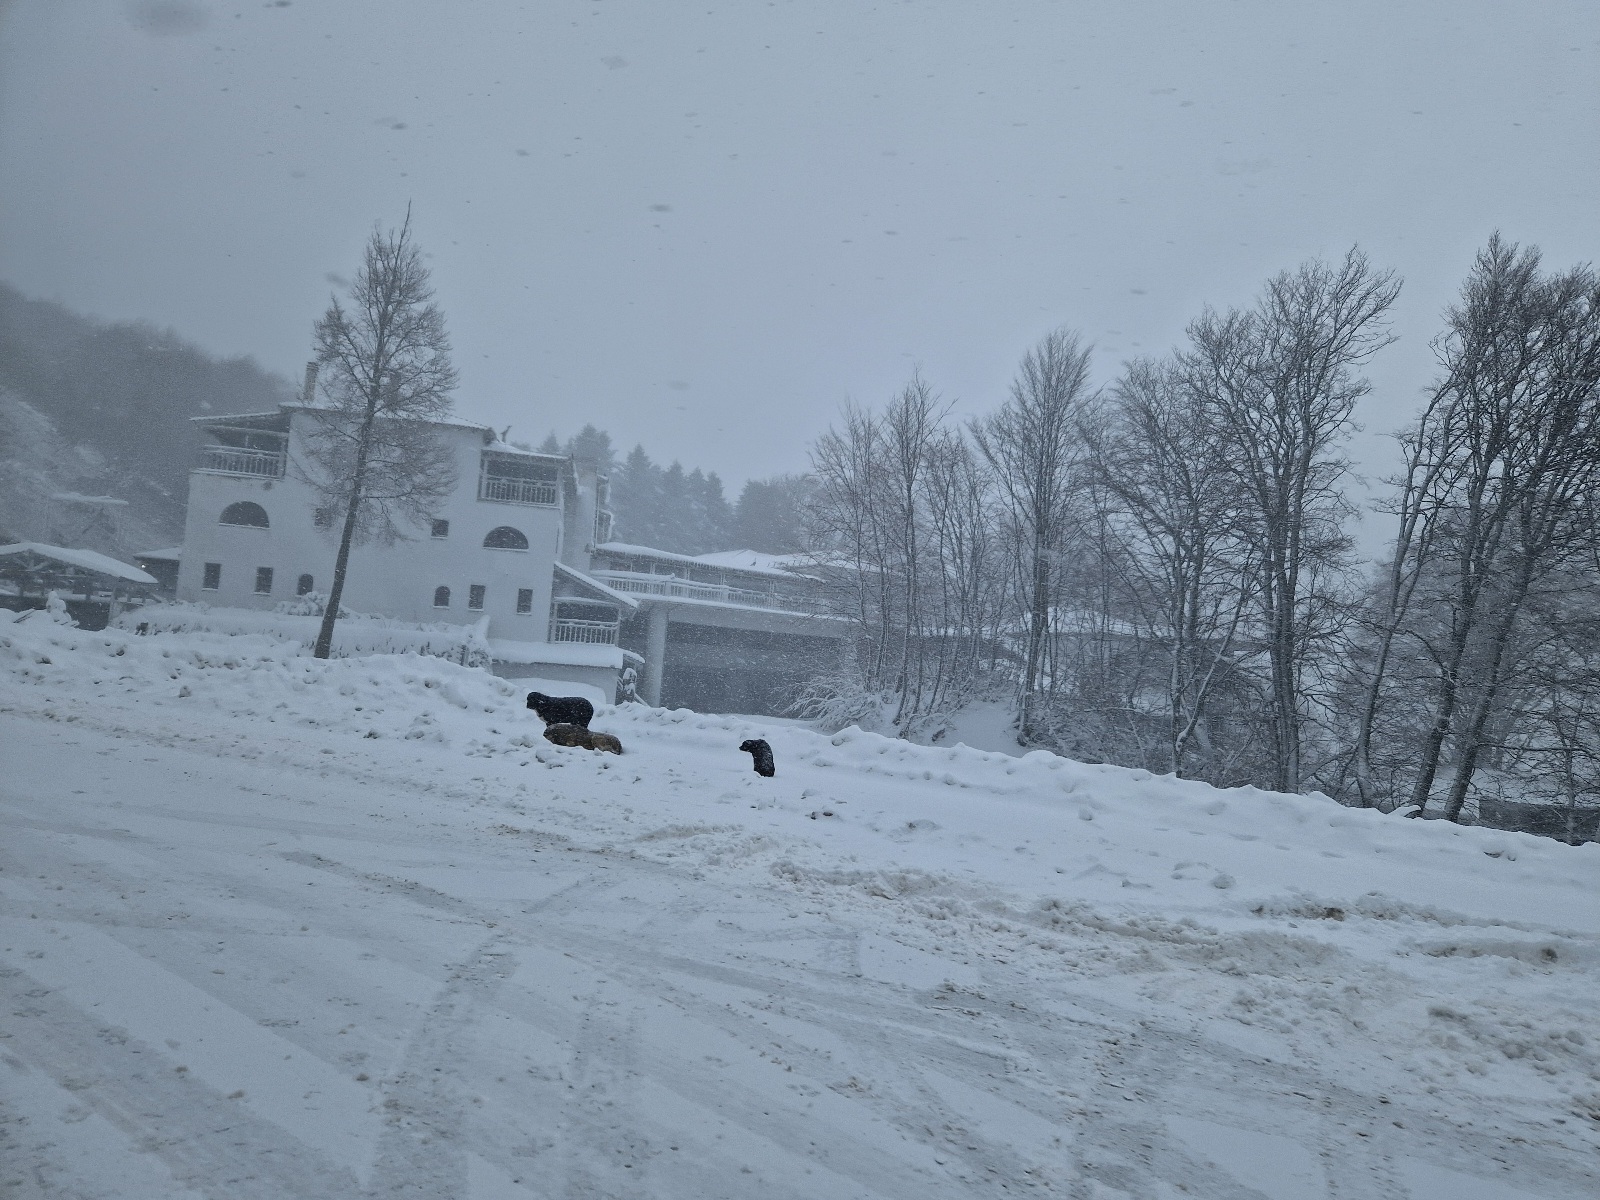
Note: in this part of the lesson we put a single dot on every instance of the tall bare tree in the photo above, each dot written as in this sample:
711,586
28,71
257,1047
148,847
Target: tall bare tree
1518,408
1176,513
969,580
1033,445
1280,383
386,377
909,427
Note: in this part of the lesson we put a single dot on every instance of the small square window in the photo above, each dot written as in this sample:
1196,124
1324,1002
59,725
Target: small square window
524,601
475,595
441,597
305,585
213,577
322,517
441,529
263,581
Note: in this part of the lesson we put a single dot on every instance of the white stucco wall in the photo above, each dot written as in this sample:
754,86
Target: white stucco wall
398,580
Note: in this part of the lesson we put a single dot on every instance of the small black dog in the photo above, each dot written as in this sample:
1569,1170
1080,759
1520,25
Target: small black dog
561,710
758,750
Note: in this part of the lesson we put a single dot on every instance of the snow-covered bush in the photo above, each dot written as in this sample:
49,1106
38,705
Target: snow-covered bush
312,604
838,699
357,635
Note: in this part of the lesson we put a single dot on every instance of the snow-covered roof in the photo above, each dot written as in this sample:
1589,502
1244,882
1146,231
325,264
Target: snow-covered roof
751,561
80,498
588,581
564,654
448,422
499,447
270,422
491,435
88,560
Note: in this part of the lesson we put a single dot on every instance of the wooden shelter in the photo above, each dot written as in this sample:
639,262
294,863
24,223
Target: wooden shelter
95,586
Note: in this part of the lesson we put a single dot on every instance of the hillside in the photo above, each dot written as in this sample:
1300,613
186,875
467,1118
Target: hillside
424,949
103,409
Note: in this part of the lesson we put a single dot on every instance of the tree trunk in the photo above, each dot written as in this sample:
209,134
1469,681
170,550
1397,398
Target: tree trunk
341,562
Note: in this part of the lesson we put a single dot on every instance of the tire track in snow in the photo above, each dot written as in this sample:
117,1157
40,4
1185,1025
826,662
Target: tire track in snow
883,1022
209,1143
422,1151
606,1054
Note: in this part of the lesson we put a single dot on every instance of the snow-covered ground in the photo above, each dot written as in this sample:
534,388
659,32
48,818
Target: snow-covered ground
273,927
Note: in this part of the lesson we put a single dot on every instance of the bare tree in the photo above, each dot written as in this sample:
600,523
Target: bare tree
386,377
873,512
1279,383
1033,445
848,538
909,426
1543,744
968,580
1430,473
1176,513
1520,418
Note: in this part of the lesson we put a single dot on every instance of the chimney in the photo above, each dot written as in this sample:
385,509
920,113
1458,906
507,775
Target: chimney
309,396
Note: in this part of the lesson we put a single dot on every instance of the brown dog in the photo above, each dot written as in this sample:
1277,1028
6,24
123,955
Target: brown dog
563,734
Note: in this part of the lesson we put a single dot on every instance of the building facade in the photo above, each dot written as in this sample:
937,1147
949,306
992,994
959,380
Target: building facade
735,631
520,547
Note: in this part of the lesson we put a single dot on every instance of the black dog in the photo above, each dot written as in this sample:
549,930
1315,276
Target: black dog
758,750
561,710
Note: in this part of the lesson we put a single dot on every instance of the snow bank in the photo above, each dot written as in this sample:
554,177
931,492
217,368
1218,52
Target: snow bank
1052,815
354,635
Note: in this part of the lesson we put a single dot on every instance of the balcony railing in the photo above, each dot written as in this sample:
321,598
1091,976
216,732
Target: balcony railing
516,491
231,460
602,633
667,585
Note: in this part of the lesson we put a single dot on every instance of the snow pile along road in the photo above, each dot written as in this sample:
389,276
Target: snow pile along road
347,928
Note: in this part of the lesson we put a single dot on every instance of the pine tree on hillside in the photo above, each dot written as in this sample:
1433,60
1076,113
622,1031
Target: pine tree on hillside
595,445
125,391
770,515
716,515
673,511
634,497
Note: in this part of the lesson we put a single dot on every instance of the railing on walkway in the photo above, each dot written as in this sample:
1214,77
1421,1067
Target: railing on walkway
232,460
667,585
601,633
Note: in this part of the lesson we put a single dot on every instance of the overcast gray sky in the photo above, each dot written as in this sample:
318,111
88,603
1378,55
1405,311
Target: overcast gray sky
702,226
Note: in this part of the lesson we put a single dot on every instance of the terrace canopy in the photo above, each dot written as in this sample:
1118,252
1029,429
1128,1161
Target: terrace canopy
35,569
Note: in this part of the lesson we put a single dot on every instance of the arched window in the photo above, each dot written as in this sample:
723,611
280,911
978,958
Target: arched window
504,537
441,597
245,512
304,586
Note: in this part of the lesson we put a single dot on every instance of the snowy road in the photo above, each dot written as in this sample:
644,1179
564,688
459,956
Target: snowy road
354,973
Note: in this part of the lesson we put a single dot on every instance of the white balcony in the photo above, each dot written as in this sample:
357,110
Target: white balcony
501,490
232,460
603,633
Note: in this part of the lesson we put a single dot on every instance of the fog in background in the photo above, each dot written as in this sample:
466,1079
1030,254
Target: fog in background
702,227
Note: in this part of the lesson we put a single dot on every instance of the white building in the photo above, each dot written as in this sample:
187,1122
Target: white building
507,548
519,546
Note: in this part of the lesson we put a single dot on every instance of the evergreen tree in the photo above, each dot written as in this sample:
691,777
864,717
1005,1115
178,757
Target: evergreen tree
672,509
634,497
594,444
716,532
770,515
